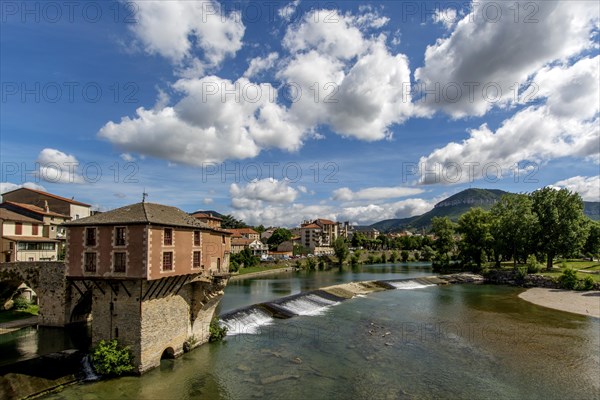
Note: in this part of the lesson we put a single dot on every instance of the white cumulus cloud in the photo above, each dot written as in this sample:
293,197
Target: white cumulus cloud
493,55
565,124
588,187
257,192
177,29
374,193
58,167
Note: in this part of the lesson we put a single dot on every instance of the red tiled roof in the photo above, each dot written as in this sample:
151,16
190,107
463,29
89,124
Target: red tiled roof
325,221
311,226
40,239
241,241
240,231
9,215
53,196
37,210
200,215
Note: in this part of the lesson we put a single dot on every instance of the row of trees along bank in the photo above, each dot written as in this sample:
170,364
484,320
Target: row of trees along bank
547,223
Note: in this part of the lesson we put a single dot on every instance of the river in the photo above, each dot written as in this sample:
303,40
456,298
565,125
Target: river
455,341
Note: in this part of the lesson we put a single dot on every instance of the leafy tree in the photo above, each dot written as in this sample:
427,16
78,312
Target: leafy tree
561,222
444,244
358,239
427,253
513,227
260,229
279,236
383,258
384,240
592,244
300,250
443,229
340,248
393,257
475,228
245,257
229,222
311,263
404,255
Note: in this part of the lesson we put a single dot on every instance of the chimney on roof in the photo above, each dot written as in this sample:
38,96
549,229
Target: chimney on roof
46,206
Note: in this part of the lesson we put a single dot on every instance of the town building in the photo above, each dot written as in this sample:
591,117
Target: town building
51,221
209,219
22,239
246,233
60,205
155,275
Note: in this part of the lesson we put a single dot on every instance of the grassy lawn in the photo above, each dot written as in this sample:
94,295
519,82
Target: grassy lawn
261,268
13,315
588,266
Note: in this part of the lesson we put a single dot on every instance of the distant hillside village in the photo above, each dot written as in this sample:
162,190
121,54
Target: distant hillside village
32,228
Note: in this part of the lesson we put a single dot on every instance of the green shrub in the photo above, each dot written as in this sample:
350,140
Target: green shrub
111,359
20,303
383,258
311,264
216,331
521,273
322,264
189,343
234,266
587,283
568,279
404,255
354,260
532,264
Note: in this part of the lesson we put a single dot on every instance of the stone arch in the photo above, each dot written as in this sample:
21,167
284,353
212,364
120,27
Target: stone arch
82,309
48,280
168,354
12,275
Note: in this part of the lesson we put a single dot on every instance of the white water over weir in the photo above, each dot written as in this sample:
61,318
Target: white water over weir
250,320
246,322
308,305
409,285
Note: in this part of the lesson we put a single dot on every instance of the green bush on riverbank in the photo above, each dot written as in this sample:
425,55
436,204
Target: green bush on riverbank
111,359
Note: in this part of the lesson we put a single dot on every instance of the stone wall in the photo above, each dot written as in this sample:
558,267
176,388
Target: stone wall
153,316
116,313
48,280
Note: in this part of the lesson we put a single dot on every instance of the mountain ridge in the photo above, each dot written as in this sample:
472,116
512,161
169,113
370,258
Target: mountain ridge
459,203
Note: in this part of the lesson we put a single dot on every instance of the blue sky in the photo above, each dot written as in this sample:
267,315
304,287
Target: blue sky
276,113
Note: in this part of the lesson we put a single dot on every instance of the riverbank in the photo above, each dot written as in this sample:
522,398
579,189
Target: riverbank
10,326
262,273
584,303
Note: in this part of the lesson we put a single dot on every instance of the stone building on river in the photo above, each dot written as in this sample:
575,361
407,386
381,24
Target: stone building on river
154,275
